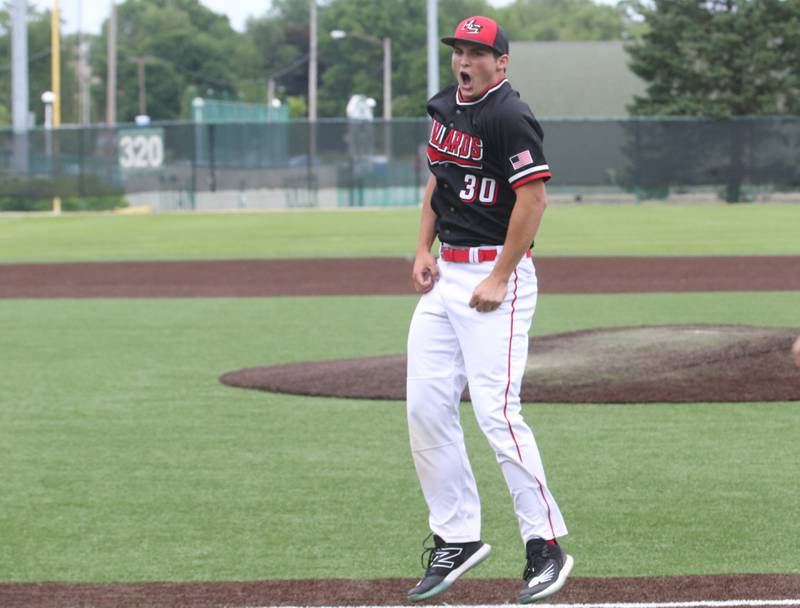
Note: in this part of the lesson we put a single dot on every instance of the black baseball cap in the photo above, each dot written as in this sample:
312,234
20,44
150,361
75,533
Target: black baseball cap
480,30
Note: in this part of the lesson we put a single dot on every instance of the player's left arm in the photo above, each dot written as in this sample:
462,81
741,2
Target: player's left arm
522,228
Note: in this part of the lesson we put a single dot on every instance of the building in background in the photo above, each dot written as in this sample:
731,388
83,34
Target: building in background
574,78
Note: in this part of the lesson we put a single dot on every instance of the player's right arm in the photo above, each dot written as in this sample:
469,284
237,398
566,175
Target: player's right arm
425,272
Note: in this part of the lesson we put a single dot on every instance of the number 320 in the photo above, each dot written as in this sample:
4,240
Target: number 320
486,193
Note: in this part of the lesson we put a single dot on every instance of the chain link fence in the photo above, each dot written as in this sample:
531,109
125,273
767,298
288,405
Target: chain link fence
339,163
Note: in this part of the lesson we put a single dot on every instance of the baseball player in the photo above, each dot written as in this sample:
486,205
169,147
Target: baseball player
484,201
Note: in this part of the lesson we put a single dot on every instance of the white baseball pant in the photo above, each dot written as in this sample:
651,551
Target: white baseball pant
450,344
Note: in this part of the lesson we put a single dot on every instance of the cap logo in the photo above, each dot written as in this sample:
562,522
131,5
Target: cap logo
472,27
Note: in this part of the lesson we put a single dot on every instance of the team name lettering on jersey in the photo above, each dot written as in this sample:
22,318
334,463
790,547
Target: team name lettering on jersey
453,146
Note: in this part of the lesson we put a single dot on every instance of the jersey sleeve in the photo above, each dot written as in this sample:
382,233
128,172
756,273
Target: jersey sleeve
522,151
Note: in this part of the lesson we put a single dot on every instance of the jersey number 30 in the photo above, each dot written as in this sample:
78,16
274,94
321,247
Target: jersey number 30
486,193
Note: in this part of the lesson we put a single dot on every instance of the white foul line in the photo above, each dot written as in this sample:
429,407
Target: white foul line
687,604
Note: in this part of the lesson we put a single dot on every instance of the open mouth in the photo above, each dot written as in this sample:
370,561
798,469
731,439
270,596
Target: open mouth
466,79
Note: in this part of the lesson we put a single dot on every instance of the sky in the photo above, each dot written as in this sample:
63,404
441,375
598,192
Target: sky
90,14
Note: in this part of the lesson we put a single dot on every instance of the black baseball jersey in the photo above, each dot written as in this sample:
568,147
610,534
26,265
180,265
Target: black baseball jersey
479,151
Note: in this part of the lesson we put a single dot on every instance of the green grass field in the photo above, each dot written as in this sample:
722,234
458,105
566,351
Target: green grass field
124,458
658,229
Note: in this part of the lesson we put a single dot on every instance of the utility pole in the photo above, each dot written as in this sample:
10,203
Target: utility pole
19,85
140,61
83,72
84,78
111,74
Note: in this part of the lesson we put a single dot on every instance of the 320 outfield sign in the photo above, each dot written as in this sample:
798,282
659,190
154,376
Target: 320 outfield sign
141,149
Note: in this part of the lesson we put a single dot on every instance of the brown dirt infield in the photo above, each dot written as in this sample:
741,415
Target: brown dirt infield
383,592
647,364
384,276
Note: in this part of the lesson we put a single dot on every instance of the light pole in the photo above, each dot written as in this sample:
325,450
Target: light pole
386,43
19,85
49,100
312,63
433,48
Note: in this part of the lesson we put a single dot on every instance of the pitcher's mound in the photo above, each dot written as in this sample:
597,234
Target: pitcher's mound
645,364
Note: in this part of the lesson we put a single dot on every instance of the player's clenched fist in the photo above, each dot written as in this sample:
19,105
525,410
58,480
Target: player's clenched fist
425,272
488,295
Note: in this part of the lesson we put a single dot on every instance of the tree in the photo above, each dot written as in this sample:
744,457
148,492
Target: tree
354,66
196,52
718,58
188,45
280,38
562,20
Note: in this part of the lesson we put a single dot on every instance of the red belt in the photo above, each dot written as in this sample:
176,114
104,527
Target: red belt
471,254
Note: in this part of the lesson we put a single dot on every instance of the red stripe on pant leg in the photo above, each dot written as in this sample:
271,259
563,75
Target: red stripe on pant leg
547,504
508,385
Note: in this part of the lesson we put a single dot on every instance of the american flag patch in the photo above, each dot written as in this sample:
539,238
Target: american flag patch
521,159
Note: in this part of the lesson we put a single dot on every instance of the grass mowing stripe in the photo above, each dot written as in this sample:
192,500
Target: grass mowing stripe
651,229
125,460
